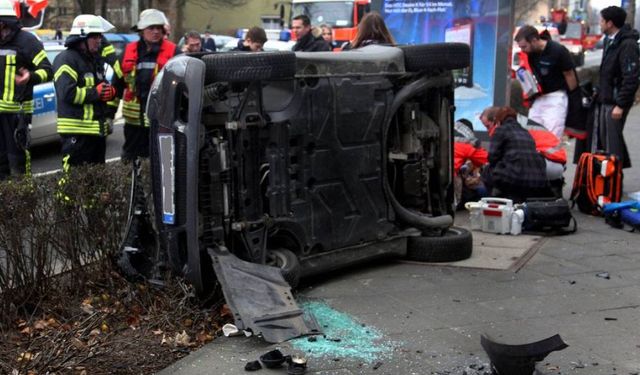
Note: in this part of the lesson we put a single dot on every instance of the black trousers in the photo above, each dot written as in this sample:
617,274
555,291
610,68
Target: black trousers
83,149
604,134
12,158
136,142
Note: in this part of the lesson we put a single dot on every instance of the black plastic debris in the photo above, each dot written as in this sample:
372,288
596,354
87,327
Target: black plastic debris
519,359
377,365
252,366
260,298
273,359
297,365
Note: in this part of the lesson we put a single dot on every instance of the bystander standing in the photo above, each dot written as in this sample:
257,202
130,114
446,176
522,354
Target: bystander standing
306,41
618,84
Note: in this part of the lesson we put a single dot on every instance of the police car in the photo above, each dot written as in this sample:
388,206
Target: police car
43,121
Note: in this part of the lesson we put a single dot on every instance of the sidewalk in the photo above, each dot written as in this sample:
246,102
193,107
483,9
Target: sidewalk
410,318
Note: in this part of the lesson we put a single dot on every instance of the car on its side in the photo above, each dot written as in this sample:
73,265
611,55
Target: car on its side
306,161
270,45
220,40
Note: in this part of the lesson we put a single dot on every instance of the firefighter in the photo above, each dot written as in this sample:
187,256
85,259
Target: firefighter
82,93
23,64
141,63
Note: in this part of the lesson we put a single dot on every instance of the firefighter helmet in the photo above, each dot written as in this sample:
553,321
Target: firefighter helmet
86,24
151,17
7,9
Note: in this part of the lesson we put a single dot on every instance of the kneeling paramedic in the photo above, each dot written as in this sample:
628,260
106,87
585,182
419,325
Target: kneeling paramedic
82,94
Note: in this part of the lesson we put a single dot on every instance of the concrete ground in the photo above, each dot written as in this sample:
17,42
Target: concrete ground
410,318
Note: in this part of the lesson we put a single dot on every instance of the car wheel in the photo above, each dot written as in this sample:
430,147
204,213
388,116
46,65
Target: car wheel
456,244
243,67
436,56
288,263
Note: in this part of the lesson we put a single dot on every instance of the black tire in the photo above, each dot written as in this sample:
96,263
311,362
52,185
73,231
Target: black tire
288,263
447,56
456,244
245,67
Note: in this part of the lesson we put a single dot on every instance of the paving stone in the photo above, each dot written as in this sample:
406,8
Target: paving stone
560,304
609,263
550,266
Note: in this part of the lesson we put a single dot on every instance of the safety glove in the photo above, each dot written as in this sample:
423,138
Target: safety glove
106,92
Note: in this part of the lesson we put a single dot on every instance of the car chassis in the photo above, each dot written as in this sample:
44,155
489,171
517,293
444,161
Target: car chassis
308,162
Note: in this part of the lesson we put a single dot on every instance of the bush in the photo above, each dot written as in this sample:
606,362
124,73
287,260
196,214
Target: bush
65,225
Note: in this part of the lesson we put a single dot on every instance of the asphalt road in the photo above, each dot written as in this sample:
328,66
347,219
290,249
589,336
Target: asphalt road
47,157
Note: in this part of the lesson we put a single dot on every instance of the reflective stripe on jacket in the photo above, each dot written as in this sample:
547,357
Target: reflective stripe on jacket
80,110
24,51
130,68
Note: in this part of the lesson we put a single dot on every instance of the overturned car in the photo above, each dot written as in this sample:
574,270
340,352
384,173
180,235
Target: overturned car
304,161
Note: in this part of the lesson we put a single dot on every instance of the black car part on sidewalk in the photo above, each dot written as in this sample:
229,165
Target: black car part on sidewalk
304,161
519,359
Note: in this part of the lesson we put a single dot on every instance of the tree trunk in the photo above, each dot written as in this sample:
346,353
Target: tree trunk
87,6
103,9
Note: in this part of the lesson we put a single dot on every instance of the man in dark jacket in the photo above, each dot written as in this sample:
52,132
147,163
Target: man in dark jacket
619,72
306,42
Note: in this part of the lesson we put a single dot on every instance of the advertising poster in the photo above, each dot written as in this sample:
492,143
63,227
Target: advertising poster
474,22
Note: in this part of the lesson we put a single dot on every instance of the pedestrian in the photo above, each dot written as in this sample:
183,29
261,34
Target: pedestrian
254,40
371,30
209,43
306,41
327,34
193,43
516,170
141,63
618,83
23,64
553,68
82,93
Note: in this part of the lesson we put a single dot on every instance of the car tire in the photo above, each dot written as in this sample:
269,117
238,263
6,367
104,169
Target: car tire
447,56
244,67
288,263
456,244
